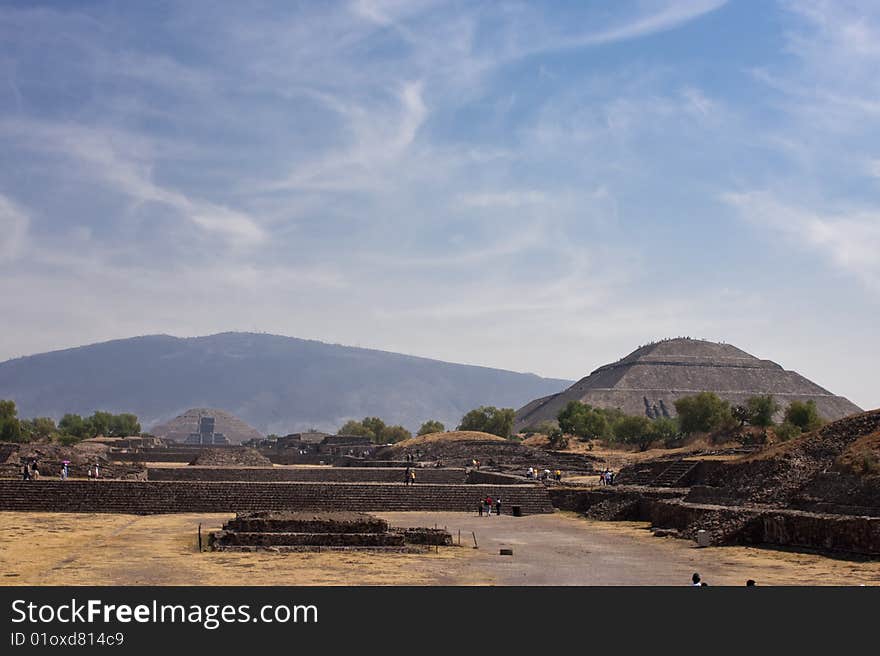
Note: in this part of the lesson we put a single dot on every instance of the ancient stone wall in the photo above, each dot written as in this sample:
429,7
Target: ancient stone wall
323,474
150,497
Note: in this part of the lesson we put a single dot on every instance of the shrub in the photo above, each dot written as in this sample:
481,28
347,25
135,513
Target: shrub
489,419
787,431
803,415
634,430
703,413
760,410
431,426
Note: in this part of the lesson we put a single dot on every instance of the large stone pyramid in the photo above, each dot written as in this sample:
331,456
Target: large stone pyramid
650,379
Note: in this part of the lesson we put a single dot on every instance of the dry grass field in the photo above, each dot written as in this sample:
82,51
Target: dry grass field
557,549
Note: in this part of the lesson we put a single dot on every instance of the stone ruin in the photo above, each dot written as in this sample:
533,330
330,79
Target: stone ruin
231,457
319,531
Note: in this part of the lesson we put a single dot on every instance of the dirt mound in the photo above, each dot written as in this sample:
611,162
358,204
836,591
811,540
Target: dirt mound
234,457
460,448
862,457
451,436
812,472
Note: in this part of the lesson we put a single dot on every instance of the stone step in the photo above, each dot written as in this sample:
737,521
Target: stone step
236,538
148,497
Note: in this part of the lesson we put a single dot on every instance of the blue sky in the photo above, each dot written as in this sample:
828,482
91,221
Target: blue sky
534,186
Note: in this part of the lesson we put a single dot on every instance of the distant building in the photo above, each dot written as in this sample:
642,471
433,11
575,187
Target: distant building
206,434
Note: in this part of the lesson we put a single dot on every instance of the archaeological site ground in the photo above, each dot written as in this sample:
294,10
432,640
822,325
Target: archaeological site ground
315,509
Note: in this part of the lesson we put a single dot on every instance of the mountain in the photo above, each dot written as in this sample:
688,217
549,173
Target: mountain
276,384
650,379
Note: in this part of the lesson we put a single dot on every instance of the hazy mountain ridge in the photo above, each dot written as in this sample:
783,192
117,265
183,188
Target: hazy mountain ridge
274,383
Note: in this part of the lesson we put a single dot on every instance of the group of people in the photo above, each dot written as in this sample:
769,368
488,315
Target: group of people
413,457
486,505
537,474
30,471
409,476
698,582
606,477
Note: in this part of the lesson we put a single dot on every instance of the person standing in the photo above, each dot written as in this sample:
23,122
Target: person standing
498,506
412,477
96,471
488,506
406,476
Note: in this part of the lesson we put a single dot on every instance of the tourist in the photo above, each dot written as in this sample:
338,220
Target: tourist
480,507
96,471
498,506
488,506
25,472
35,470
530,473
406,476
91,473
695,580
558,475
412,477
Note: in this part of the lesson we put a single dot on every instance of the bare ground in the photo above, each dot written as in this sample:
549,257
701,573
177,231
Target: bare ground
557,549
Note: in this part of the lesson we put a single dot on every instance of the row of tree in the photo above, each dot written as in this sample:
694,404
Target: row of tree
487,419
70,429
701,413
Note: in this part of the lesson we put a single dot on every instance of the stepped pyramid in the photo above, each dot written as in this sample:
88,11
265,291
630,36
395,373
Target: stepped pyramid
179,428
650,379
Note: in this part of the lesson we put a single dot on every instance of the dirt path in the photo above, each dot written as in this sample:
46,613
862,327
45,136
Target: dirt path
558,549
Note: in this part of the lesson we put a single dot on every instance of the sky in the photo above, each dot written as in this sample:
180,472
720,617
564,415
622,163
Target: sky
534,186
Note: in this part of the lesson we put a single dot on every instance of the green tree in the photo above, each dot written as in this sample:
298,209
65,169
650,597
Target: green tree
666,429
556,439
124,424
43,428
703,413
10,426
803,415
634,429
583,420
489,419
392,434
761,410
99,424
73,426
431,426
352,427
376,426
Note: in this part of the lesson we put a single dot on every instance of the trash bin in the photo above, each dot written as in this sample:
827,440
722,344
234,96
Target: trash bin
516,510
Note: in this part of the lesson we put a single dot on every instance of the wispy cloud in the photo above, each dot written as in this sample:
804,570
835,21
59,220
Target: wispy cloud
13,230
848,240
